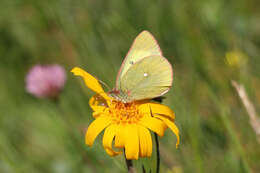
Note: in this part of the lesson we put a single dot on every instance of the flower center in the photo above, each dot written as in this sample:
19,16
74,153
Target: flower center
123,113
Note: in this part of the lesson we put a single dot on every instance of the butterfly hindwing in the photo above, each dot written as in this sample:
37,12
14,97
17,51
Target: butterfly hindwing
148,78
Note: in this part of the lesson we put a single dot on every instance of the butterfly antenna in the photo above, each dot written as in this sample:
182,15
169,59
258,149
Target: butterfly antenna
103,83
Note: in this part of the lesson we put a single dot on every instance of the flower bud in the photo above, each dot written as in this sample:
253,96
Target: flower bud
45,81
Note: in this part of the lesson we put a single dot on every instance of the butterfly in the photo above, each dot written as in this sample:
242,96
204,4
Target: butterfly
144,73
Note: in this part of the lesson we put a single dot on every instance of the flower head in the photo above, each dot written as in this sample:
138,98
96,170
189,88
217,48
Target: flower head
45,81
236,59
126,125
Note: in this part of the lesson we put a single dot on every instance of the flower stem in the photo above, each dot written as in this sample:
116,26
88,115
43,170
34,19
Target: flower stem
157,153
160,100
129,164
143,169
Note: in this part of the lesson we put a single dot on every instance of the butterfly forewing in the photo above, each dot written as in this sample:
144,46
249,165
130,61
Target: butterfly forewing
148,78
143,46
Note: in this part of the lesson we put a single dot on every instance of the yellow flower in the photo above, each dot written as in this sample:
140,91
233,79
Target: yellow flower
236,58
127,124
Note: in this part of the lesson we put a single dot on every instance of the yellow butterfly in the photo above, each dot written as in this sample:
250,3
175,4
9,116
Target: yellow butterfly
144,73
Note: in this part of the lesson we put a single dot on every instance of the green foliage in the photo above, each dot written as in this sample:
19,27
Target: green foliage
45,136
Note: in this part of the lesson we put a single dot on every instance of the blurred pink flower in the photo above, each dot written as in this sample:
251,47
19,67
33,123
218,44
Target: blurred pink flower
45,81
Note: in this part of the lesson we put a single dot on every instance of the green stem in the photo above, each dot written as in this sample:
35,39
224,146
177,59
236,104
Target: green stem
224,112
143,169
157,153
129,165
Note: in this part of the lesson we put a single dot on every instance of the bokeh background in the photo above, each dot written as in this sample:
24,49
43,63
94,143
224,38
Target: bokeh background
208,42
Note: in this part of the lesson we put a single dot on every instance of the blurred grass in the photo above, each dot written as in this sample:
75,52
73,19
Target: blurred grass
41,136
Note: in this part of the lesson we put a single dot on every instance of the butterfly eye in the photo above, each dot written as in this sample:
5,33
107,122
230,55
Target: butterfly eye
131,62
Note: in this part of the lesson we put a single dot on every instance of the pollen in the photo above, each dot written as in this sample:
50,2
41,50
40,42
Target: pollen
124,113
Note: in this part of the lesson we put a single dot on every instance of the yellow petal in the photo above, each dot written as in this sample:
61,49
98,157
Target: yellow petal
108,137
98,114
98,103
145,142
157,108
95,128
120,136
153,124
144,109
172,126
132,142
90,81
112,152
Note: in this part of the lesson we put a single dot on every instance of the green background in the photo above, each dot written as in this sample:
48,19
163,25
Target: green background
38,135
